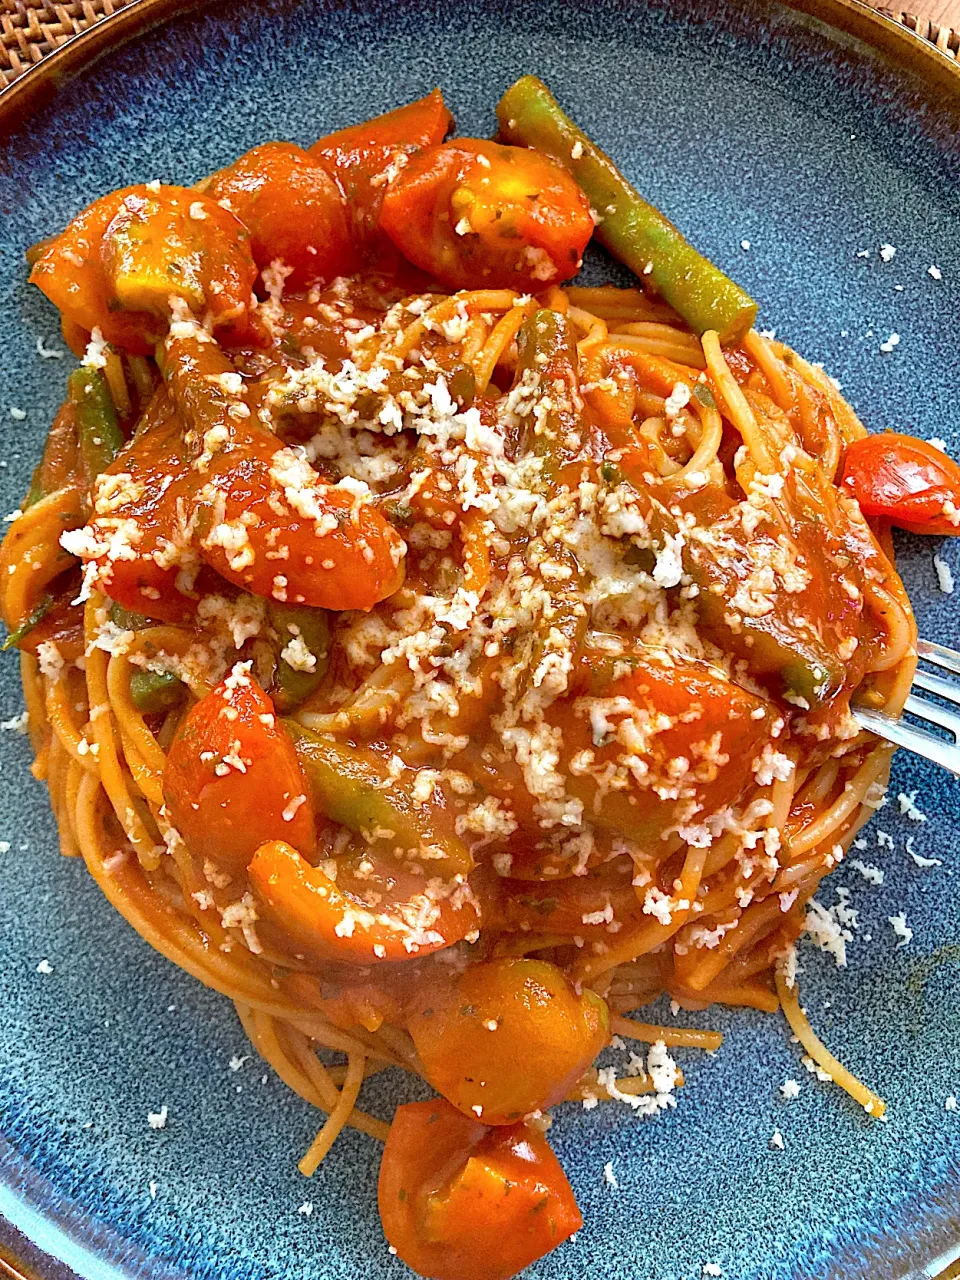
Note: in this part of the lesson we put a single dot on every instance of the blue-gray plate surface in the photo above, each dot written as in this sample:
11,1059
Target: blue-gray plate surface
789,154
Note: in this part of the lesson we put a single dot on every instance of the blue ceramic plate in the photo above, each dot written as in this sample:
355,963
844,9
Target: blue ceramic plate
789,153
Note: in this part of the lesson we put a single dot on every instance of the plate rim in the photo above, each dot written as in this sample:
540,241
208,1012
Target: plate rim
38,85
20,1257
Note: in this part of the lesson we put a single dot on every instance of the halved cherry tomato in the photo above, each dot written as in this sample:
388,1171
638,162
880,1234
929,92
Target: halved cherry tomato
139,528
479,215
70,272
265,520
334,921
117,264
907,481
296,540
507,1037
363,157
233,780
681,722
292,209
459,1201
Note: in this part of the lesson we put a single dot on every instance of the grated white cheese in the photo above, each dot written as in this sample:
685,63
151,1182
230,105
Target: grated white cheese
296,654
869,872
95,356
48,353
944,575
901,929
907,800
830,927
158,1119
50,660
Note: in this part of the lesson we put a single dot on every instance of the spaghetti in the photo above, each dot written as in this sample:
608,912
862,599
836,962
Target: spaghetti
444,673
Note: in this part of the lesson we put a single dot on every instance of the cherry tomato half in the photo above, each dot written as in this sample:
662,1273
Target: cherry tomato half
907,481
292,209
233,780
479,215
507,1037
363,157
459,1201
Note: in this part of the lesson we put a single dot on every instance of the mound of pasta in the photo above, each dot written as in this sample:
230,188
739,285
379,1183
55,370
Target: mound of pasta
444,661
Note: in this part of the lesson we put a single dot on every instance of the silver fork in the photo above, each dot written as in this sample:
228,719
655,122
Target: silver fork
911,736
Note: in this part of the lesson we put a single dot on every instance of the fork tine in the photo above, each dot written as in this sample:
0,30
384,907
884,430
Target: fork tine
906,735
939,655
931,711
947,689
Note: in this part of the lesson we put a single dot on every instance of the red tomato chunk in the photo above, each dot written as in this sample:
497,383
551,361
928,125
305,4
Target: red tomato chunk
459,1201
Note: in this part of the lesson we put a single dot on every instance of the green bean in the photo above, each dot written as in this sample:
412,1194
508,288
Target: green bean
43,607
546,347
98,432
192,369
127,619
312,626
633,230
154,691
770,644
351,785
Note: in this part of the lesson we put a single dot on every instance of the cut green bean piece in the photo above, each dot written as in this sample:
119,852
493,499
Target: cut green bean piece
127,619
546,347
155,691
98,431
633,230
44,606
35,492
304,633
352,786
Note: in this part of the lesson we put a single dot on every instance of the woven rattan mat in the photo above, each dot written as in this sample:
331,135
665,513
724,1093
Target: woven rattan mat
30,29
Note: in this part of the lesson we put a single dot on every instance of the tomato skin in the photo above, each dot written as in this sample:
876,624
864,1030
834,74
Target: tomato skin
351,566
71,274
117,263
153,474
325,920
225,816
361,157
292,209
476,214
508,1036
459,1201
676,690
904,480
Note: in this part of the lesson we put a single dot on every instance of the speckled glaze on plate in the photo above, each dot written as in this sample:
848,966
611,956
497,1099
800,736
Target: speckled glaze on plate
785,150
